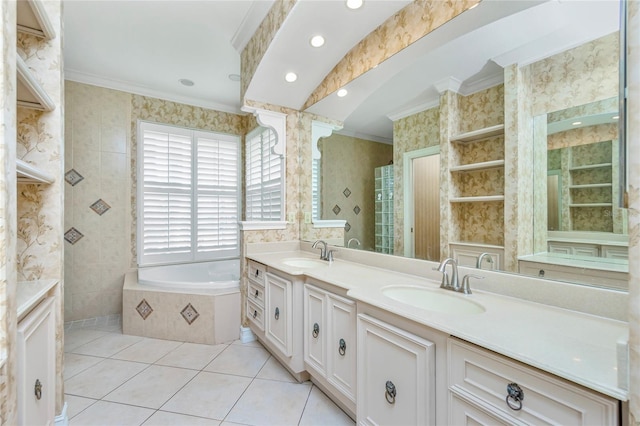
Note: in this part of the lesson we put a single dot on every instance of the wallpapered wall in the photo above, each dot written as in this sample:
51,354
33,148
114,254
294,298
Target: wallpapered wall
348,184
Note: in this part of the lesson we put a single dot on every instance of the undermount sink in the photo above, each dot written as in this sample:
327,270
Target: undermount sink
303,262
433,300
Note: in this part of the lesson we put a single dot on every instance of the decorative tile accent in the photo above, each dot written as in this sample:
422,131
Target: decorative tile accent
346,192
73,235
73,177
144,309
347,227
189,314
336,209
357,210
100,207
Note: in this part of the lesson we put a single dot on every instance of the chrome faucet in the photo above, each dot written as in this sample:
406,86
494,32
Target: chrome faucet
481,258
357,241
447,284
324,253
465,288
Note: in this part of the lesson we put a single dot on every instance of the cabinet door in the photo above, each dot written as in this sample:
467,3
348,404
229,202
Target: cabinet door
315,329
342,346
278,310
396,375
463,413
36,366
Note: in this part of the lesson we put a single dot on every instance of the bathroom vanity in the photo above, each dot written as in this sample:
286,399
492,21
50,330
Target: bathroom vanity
366,330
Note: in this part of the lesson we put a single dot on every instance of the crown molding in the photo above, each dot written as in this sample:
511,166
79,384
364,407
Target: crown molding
250,23
469,88
364,136
414,109
450,83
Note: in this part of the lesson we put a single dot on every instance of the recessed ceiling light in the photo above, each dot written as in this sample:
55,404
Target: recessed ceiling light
342,93
576,123
186,82
290,77
234,77
317,41
354,4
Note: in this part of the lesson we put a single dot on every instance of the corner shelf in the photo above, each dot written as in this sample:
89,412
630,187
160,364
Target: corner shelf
478,166
591,185
590,166
30,174
33,19
591,205
480,134
480,199
30,92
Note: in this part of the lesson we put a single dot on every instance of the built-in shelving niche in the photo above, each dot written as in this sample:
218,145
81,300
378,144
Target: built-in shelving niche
30,174
33,19
30,92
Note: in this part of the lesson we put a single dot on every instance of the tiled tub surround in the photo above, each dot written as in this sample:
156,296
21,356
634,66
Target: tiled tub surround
576,339
204,312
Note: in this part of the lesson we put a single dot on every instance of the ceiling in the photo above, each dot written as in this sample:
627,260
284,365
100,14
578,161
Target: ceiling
146,47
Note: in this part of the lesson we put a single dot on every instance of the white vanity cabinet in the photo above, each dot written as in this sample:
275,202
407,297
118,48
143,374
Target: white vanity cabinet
487,388
255,294
279,313
396,375
36,366
330,340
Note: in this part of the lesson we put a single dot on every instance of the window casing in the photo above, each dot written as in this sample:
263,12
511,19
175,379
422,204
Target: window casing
264,177
188,194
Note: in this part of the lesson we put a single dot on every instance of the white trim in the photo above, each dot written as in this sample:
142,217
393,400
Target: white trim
274,120
448,83
246,335
365,136
320,130
407,182
263,225
481,84
250,23
62,419
95,80
335,223
414,109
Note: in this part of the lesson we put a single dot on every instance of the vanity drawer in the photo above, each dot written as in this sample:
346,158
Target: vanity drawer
255,314
256,293
480,375
256,272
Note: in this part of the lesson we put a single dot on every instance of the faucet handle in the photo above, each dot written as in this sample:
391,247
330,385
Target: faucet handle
465,287
330,255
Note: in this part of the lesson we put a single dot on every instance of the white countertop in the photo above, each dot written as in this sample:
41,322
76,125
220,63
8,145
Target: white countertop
576,261
29,293
579,347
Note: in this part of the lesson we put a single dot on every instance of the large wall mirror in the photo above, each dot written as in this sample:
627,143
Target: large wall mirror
567,71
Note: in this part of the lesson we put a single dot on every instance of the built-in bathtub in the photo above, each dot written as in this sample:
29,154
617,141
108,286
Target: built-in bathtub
195,302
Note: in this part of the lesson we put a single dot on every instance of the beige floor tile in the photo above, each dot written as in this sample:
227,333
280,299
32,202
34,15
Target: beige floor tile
77,404
253,344
74,364
112,328
273,370
320,410
76,337
163,418
191,355
268,402
104,413
107,345
147,350
239,360
152,387
102,378
208,395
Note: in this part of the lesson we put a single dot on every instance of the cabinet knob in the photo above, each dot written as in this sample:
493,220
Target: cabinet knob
38,389
342,347
515,396
277,314
390,392
257,293
541,273
316,330
257,272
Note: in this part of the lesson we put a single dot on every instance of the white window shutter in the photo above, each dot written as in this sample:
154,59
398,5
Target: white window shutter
264,177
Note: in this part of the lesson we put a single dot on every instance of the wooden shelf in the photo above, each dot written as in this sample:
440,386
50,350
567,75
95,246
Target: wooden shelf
590,166
592,205
480,134
591,185
486,165
30,92
32,19
481,199
30,174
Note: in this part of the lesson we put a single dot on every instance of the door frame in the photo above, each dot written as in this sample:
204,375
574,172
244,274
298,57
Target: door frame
407,184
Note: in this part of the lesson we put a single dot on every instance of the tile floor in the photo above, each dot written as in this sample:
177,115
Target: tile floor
116,379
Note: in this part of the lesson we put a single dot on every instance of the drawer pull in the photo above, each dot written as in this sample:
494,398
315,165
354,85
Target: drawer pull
515,396
257,293
277,315
390,393
255,313
342,347
316,330
38,389
541,273
257,272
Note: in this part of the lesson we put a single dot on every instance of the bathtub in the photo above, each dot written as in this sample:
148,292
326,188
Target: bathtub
196,303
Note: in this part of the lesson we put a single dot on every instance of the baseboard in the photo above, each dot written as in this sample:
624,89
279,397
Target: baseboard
62,419
246,335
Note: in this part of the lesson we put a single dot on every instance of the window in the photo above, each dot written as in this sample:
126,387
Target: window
188,194
264,182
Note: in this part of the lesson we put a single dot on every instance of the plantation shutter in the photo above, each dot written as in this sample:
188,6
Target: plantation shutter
264,179
315,188
189,195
